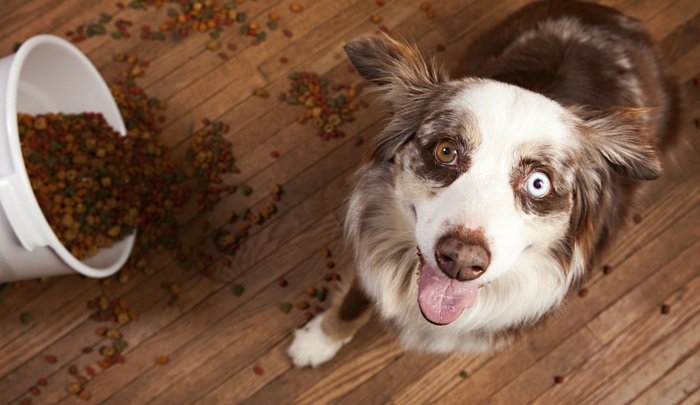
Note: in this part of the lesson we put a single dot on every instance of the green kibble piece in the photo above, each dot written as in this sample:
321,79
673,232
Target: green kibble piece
119,345
240,17
116,34
261,36
321,293
25,317
237,289
294,75
246,189
286,307
272,24
214,34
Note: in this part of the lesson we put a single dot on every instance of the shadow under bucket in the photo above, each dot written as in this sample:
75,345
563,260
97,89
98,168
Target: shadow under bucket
46,75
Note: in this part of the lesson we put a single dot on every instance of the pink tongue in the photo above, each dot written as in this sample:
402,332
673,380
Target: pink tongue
442,299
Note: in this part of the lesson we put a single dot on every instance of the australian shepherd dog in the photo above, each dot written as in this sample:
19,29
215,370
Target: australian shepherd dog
487,197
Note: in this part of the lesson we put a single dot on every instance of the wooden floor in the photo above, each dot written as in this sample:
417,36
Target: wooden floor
612,345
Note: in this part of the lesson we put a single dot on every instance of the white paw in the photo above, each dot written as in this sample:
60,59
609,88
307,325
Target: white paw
311,346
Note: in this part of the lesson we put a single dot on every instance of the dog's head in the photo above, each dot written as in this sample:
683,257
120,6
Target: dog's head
489,172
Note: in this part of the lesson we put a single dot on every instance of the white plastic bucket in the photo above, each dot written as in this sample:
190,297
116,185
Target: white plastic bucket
47,74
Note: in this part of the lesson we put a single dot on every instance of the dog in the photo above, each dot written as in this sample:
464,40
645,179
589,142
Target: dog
487,197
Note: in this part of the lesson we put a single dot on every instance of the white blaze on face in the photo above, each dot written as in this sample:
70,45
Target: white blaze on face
507,122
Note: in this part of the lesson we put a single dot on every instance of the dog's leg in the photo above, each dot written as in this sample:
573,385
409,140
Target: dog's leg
319,340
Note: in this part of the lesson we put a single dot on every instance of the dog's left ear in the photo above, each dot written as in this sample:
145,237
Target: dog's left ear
625,142
396,67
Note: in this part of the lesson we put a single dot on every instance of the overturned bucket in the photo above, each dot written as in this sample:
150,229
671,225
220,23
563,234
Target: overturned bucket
46,75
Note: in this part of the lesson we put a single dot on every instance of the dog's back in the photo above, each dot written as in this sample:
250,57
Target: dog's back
580,54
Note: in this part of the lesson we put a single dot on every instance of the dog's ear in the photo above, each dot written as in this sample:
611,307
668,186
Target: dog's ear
625,143
404,79
398,68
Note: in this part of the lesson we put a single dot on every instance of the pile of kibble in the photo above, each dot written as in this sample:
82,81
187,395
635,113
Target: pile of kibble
76,165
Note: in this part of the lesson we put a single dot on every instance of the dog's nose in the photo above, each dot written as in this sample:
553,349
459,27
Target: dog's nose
461,258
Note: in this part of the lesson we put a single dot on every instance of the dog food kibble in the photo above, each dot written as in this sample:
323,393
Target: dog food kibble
25,318
73,370
258,370
295,7
330,264
237,289
558,379
282,282
74,388
75,165
321,293
51,359
286,307
665,309
84,395
326,110
302,305
162,360
463,374
325,251
583,292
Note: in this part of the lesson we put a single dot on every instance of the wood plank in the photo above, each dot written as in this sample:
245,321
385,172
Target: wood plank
677,386
625,348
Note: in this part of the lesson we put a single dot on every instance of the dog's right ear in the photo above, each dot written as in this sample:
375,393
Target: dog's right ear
404,79
399,70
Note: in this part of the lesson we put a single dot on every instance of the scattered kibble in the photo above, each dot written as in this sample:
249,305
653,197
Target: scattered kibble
51,359
325,251
162,360
330,264
282,282
85,395
665,309
285,307
463,374
295,7
237,289
324,110
607,269
74,388
258,370
583,292
637,218
302,305
558,379
25,318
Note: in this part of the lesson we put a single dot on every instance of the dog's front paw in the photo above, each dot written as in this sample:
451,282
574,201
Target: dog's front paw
311,346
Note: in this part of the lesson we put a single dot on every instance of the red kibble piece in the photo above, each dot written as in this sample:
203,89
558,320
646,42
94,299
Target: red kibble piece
284,59
35,391
275,154
308,316
120,5
607,269
558,379
637,218
51,359
43,382
583,292
330,264
258,370
381,3
90,371
665,309
282,282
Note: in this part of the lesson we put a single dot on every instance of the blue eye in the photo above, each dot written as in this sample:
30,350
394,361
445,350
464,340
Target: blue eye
538,185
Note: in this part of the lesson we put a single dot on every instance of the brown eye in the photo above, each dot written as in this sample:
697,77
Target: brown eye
446,152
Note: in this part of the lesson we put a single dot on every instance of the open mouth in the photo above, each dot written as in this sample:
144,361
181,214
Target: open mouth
443,299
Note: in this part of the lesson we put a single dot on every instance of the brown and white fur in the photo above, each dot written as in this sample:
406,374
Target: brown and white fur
486,198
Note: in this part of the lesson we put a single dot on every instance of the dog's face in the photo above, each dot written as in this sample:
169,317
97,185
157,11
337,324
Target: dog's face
489,173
